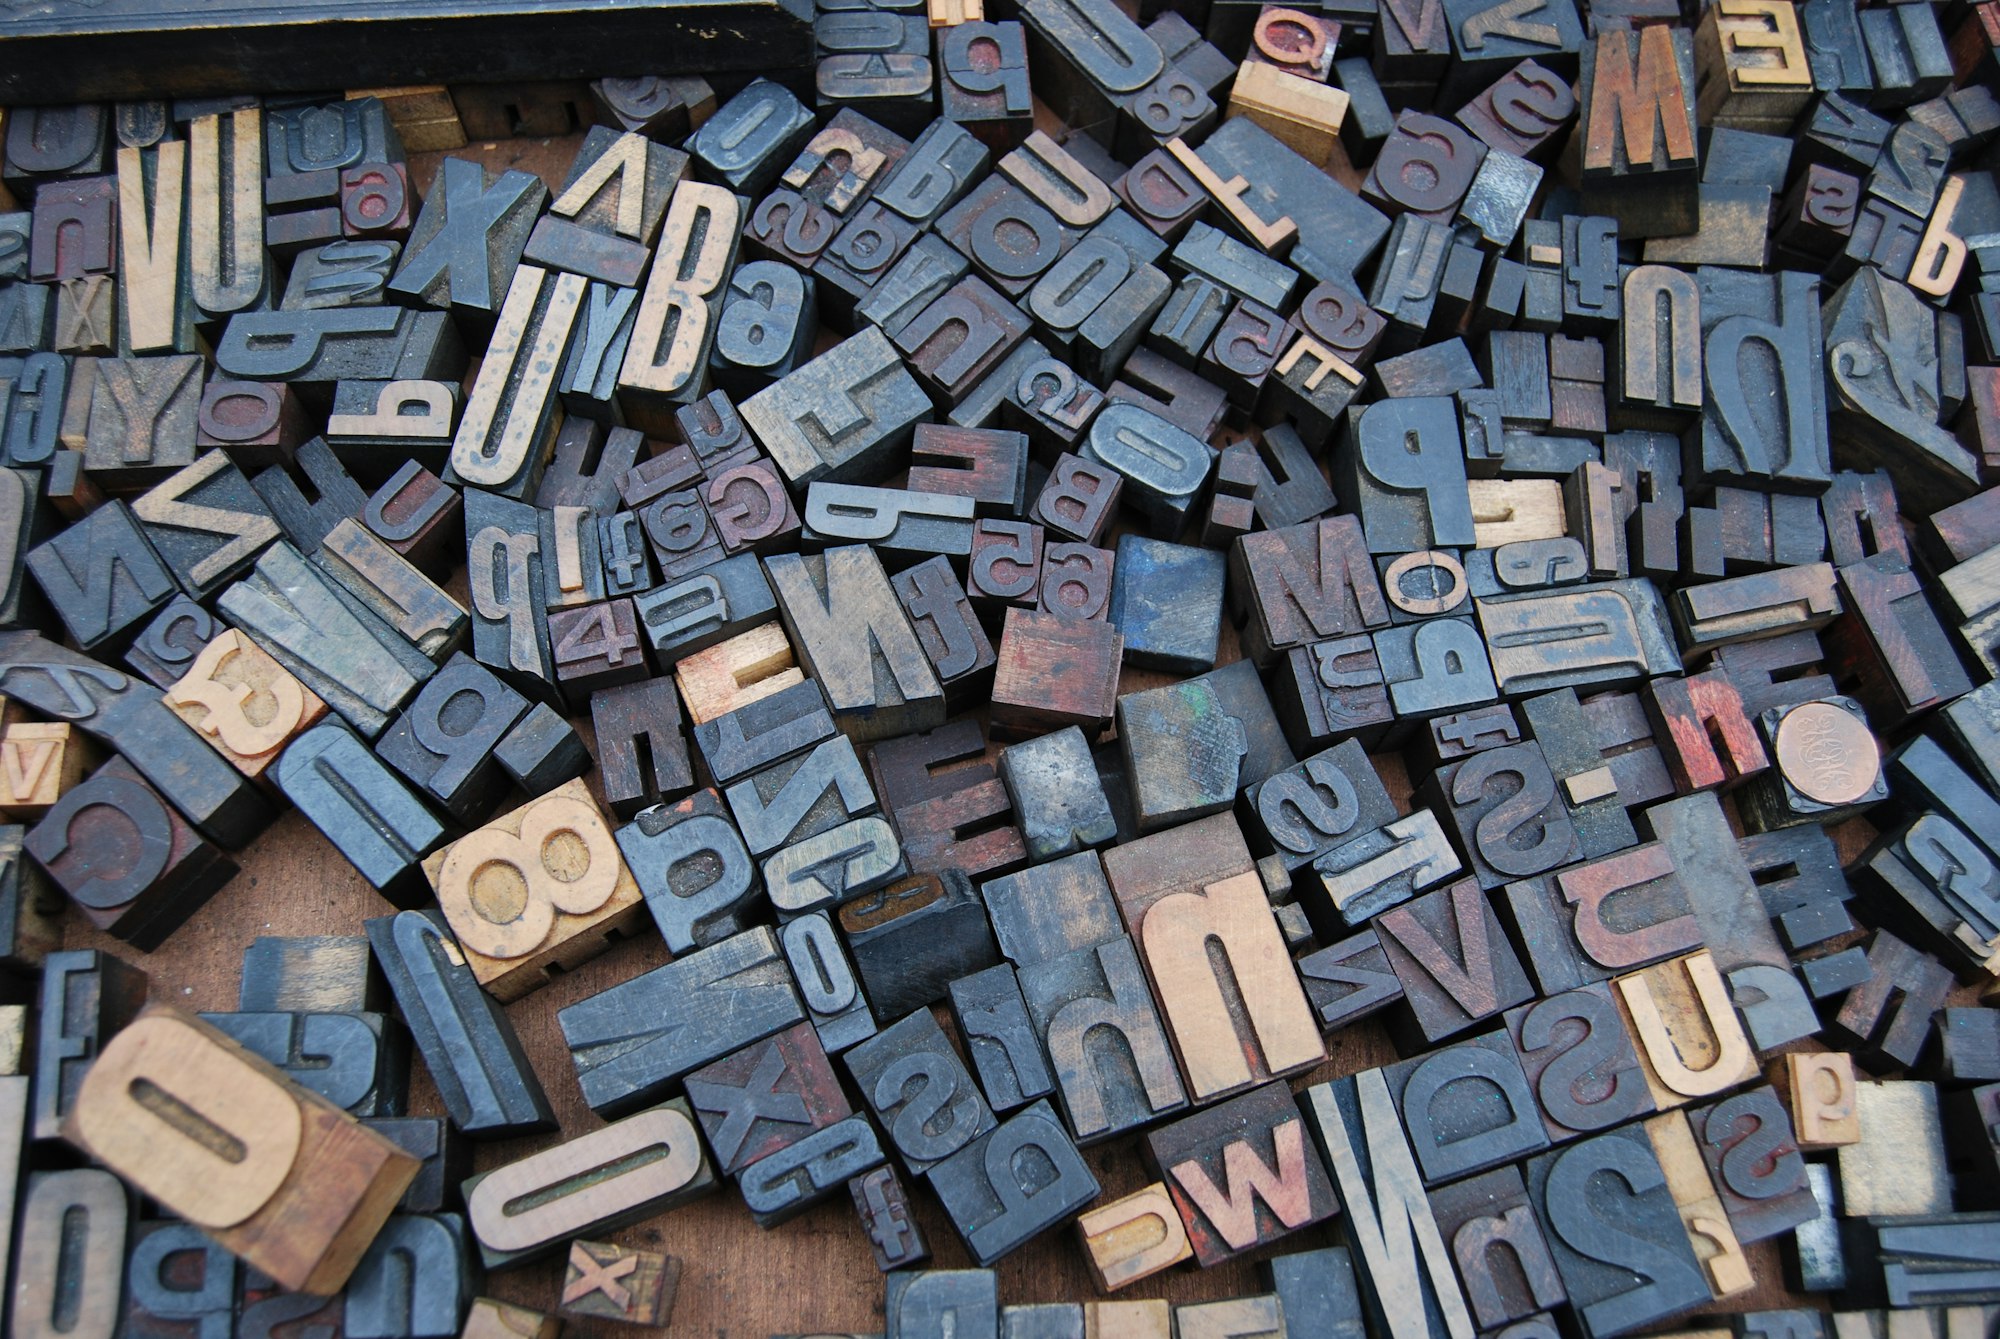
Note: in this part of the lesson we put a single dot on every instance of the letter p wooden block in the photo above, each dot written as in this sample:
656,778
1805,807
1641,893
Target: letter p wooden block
272,1172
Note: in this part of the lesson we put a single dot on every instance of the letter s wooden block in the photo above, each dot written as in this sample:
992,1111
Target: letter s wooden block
541,887
272,1172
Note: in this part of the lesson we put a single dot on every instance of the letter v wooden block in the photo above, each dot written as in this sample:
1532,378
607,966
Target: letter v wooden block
1242,1174
309,1185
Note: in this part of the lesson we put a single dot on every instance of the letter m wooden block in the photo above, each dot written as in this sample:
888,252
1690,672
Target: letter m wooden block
1641,163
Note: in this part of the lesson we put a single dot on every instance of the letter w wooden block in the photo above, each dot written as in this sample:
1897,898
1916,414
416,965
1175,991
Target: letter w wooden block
1242,1174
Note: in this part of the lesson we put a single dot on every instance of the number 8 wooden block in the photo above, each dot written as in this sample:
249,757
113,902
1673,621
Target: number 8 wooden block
537,889
270,1171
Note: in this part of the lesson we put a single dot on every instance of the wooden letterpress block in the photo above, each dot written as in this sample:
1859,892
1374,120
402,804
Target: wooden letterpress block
728,675
258,423
126,857
336,496
1818,1088
1182,751
877,685
803,1174
31,915
1361,878
1228,1144
392,588
767,1097
179,1285
1897,1166
1707,1227
594,1183
1689,1041
1076,581
946,627
358,1061
1179,889
488,1319
1080,498
143,414
1499,1246
579,892
313,1164
631,1042
1579,1061
1054,672
1651,918
884,1210
993,1206
39,763
362,808
609,1282
1707,738
445,742
467,1042
1308,809
1467,1108
1574,1197
985,464
1454,961
1524,831
310,974
692,866
883,404
102,577
1097,1021
243,702
1888,1016
641,750
966,1301
1406,1269
70,1251
1134,1237
945,1114
355,663
1754,74
1637,130
86,996
1746,1140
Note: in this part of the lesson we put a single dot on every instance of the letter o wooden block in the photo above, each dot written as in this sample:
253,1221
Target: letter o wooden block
272,1172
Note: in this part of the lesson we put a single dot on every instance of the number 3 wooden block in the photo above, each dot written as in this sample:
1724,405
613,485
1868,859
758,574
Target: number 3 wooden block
241,700
542,887
273,1173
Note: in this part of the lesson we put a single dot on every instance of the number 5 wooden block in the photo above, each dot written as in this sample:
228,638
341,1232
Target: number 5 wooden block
539,888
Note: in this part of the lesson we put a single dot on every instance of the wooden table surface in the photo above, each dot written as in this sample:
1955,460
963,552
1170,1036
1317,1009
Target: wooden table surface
815,1274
